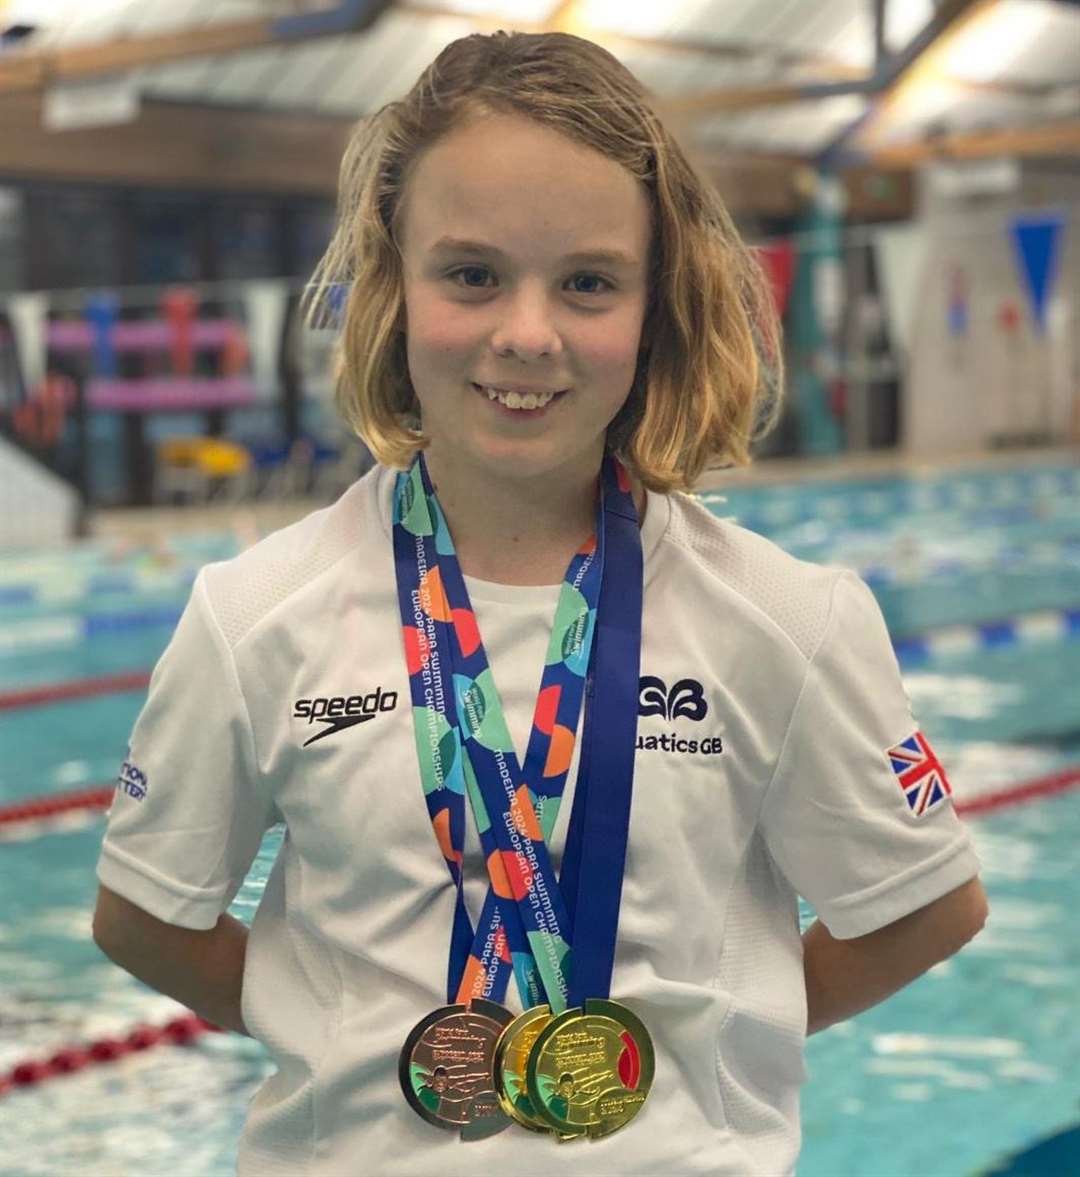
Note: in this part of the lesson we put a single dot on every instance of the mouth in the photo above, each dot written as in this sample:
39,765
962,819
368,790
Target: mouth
524,405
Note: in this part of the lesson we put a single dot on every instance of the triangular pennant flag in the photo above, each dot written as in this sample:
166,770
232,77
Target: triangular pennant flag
265,303
101,311
1037,240
958,301
180,306
28,314
900,252
778,261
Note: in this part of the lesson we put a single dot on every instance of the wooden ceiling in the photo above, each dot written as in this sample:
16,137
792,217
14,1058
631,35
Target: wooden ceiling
200,145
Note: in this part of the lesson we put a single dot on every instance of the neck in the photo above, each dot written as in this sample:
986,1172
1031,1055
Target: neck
516,531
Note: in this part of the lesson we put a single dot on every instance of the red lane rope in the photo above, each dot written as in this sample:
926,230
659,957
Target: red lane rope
186,1029
35,808
179,1031
1027,791
100,797
81,688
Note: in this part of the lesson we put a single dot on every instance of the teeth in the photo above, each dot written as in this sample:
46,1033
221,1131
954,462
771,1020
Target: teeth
518,400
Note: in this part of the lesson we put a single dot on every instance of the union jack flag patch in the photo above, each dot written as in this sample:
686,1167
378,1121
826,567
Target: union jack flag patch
919,774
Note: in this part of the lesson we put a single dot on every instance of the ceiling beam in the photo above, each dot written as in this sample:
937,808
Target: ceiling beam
773,186
734,98
1049,139
880,48
208,147
349,16
565,19
213,148
885,74
950,18
26,68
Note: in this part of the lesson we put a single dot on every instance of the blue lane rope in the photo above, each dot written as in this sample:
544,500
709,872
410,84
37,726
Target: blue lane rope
911,649
997,498
934,644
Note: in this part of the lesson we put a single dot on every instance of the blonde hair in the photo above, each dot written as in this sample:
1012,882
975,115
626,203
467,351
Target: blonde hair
708,376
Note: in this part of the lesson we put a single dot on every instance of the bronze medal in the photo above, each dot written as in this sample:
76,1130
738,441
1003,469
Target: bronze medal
446,1068
590,1069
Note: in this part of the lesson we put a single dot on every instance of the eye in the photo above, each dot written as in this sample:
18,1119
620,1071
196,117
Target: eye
468,270
462,270
593,278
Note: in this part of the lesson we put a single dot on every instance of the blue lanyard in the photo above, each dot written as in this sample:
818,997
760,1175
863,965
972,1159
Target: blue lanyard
464,747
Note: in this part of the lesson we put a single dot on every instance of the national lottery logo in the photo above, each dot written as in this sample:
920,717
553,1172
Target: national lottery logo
132,780
685,699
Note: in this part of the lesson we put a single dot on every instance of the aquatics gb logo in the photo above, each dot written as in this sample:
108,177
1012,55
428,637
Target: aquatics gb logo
686,698
342,711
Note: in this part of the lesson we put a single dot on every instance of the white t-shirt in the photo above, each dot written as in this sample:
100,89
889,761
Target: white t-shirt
770,779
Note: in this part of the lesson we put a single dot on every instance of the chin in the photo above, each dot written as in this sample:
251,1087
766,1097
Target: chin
535,458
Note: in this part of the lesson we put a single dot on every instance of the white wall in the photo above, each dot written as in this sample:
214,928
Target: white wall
988,386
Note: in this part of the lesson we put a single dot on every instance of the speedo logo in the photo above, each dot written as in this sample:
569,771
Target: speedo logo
342,711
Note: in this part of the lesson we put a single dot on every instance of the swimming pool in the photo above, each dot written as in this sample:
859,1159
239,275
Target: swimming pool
973,1063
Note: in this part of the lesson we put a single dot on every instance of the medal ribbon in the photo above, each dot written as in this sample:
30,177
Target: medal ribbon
594,857
477,756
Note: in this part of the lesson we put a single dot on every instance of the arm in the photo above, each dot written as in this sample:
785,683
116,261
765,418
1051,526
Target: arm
844,977
202,969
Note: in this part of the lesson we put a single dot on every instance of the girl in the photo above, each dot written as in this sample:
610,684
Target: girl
636,731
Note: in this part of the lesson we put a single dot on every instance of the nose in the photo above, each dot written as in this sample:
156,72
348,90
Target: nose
525,324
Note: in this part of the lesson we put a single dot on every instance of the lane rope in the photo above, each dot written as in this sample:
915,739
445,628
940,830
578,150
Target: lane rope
913,651
1045,786
941,642
180,1031
36,808
1000,497
80,688
184,1030
41,809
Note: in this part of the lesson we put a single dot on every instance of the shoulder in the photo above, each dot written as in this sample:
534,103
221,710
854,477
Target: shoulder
753,574
243,591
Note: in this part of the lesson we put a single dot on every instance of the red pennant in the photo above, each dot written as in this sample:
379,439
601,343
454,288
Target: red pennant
778,261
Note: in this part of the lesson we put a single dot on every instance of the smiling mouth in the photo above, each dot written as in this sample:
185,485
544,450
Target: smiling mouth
530,404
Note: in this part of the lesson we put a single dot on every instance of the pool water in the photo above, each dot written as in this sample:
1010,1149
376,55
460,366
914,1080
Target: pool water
973,1063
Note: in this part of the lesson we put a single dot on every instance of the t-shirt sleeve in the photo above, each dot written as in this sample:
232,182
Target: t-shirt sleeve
859,816
190,808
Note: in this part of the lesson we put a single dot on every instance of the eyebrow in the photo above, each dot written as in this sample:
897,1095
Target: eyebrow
609,257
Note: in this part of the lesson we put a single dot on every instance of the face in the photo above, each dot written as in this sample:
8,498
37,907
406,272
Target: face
516,309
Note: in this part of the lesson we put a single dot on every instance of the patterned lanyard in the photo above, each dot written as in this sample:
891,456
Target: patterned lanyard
463,745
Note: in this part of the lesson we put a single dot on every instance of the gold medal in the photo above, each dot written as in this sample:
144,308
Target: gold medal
445,1068
511,1056
590,1069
